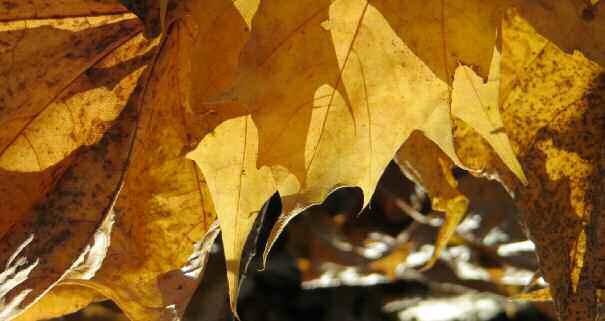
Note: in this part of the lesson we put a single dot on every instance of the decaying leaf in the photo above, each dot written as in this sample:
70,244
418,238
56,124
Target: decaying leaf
39,249
29,138
165,206
553,114
146,270
106,107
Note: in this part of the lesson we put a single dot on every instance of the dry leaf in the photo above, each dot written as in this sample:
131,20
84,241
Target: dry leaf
61,300
331,85
475,103
536,295
570,25
439,32
236,185
59,53
97,192
429,164
426,164
42,9
553,116
47,241
344,109
165,207
91,66
30,140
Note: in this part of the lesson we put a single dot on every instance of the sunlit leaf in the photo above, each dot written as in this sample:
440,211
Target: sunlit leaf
536,295
61,300
553,116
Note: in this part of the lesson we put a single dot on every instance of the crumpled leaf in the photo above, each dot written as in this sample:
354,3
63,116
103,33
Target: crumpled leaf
553,114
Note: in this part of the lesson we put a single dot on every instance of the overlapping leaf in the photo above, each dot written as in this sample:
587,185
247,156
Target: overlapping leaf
333,91
61,300
296,97
333,88
553,114
84,74
55,221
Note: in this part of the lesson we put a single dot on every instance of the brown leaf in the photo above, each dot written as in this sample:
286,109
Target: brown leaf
89,67
165,206
40,9
552,113
42,70
570,25
46,242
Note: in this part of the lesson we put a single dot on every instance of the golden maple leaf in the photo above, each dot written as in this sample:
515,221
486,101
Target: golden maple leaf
100,120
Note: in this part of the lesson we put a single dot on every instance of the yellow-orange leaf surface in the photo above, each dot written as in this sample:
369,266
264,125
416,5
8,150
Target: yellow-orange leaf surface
131,129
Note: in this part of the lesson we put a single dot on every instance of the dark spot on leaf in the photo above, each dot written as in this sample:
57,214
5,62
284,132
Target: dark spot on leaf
589,13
